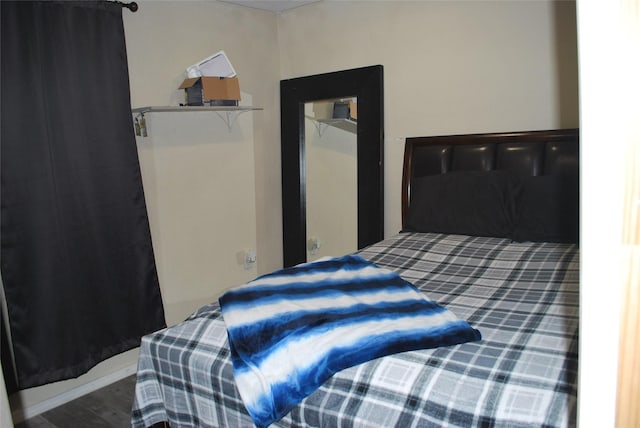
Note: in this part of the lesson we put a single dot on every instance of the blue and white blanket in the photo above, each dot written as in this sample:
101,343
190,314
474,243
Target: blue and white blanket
291,330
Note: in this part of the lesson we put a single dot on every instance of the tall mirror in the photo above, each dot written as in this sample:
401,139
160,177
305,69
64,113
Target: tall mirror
332,169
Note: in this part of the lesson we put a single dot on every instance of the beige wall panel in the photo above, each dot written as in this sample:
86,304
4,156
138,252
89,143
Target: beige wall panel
449,67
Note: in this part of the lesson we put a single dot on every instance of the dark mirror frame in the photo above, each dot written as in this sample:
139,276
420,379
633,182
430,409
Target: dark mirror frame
366,84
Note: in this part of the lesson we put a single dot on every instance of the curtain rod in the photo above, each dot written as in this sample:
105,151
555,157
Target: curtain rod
133,6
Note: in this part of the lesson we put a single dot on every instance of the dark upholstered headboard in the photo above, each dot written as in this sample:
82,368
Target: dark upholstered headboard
553,152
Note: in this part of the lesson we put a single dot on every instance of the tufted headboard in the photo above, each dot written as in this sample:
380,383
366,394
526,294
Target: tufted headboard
529,153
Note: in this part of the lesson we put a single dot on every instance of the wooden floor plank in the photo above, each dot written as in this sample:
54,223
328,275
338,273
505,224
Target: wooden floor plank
108,407
35,422
75,413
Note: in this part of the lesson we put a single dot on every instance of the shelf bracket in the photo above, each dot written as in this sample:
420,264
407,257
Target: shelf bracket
230,117
320,126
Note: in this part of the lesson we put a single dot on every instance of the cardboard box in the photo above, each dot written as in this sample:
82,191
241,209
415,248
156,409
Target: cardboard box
210,90
322,110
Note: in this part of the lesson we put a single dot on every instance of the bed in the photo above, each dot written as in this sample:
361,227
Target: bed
490,232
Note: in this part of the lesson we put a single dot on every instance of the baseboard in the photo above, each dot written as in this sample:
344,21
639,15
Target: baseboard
22,414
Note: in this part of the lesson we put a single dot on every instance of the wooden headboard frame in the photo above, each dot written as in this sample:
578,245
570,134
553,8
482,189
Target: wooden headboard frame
552,152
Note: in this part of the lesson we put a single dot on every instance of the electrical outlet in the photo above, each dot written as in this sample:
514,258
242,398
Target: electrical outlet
250,258
313,245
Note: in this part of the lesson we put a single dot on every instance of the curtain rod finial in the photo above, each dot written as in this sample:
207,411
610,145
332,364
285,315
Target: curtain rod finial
133,6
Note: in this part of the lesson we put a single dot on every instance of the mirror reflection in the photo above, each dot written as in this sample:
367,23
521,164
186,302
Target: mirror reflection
331,159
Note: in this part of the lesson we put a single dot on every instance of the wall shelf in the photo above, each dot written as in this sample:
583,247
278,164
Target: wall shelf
228,114
348,125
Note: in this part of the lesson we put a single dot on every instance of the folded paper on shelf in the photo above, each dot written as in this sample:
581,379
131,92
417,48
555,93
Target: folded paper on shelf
217,65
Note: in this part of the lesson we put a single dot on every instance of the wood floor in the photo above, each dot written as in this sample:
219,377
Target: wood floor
108,407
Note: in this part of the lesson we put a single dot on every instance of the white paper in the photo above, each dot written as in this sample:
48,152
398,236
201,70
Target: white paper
216,65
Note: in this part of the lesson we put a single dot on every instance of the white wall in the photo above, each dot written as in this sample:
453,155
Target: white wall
609,42
449,67
206,188
199,185
164,37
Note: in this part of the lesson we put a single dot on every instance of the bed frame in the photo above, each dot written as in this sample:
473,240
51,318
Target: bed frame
530,153
551,152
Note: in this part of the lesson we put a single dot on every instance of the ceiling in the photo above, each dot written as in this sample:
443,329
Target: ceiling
275,6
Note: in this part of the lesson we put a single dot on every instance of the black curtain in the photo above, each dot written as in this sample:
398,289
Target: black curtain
77,263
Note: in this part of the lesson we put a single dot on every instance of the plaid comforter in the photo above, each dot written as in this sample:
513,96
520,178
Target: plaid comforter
523,297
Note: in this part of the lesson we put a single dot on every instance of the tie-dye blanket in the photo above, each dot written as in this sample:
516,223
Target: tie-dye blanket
291,330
